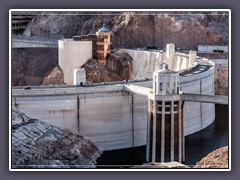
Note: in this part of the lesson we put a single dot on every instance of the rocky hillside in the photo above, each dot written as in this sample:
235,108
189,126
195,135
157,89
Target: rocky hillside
36,144
139,29
215,159
30,65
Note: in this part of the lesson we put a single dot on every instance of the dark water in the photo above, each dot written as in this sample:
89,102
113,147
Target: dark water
197,145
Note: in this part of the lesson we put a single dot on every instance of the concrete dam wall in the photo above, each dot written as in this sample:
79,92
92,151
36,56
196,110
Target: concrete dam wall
112,117
112,120
109,116
144,62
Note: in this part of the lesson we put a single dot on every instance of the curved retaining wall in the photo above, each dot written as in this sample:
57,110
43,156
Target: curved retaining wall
144,61
197,115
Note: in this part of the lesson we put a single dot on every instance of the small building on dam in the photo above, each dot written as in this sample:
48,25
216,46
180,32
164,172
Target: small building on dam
150,109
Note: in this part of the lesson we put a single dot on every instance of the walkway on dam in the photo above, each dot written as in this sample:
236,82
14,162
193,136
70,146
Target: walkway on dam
217,99
19,41
140,90
137,89
220,61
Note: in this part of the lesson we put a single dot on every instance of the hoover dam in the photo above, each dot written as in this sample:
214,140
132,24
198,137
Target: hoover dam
111,116
167,94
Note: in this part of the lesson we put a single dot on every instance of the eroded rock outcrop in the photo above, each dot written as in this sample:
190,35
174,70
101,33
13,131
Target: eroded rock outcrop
120,63
221,80
215,159
133,29
118,68
19,67
30,65
54,77
36,144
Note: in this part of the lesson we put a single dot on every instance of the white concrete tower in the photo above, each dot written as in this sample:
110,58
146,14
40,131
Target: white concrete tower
192,58
165,138
72,54
170,55
159,61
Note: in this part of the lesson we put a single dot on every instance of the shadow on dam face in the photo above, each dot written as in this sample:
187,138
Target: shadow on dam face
197,145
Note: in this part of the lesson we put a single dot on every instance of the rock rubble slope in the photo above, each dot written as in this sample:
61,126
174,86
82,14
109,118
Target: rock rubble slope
39,145
215,159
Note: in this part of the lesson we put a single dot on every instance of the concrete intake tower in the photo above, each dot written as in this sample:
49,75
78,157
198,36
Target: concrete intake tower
165,135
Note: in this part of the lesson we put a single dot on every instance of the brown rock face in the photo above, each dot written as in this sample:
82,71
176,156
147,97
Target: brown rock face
96,73
19,67
215,159
213,55
132,29
54,77
118,68
221,80
120,63
158,29
29,65
36,144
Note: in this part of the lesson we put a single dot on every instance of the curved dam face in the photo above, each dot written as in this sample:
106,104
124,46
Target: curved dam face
111,118
108,115
200,80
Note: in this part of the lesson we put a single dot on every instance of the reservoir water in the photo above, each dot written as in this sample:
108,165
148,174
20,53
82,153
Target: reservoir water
197,145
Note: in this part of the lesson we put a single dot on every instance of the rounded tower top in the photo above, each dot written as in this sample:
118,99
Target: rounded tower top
104,29
165,70
165,81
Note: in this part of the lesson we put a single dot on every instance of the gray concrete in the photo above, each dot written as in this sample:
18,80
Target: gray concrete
66,91
137,89
112,120
220,61
33,42
112,116
211,48
217,99
72,55
79,76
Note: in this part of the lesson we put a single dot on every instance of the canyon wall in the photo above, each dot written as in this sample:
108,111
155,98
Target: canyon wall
139,29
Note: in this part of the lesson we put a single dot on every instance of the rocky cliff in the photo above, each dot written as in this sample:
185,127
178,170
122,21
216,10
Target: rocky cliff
30,65
54,77
221,80
39,145
215,159
138,29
